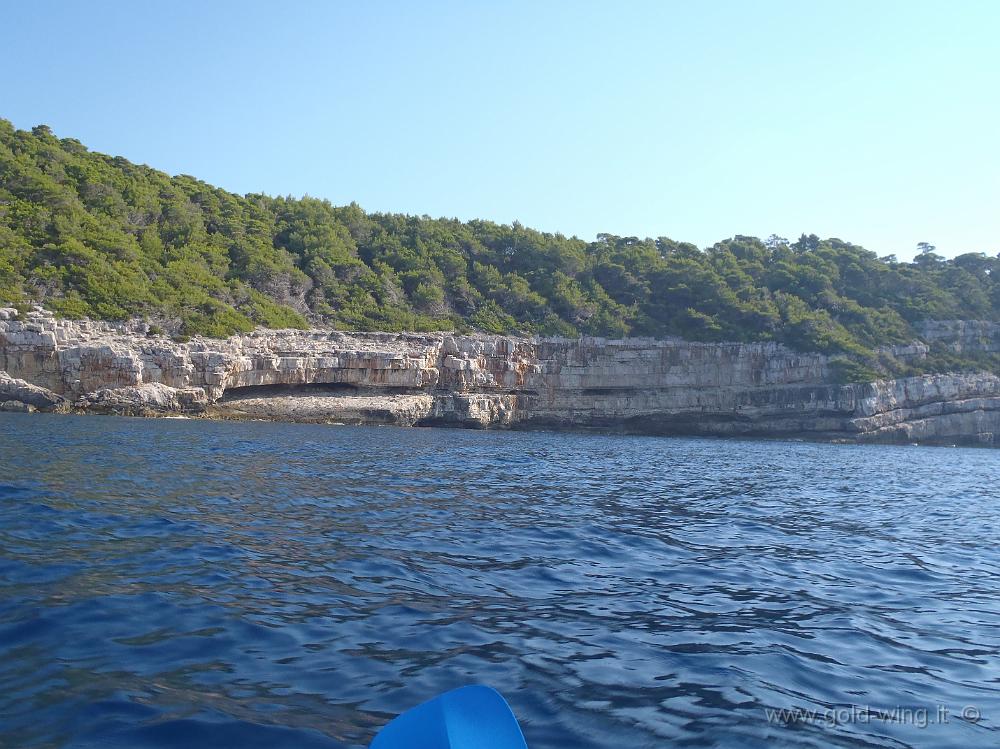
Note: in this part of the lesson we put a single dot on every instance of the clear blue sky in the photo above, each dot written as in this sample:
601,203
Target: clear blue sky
873,121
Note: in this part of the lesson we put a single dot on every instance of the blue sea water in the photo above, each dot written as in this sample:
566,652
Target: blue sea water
169,583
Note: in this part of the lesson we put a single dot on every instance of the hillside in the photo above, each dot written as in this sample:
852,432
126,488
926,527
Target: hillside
89,235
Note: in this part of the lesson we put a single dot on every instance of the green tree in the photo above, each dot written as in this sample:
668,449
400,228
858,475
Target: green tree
92,235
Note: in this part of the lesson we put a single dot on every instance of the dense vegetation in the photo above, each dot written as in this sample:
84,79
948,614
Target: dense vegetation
93,235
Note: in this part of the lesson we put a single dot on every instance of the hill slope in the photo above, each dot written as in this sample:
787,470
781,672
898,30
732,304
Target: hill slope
92,235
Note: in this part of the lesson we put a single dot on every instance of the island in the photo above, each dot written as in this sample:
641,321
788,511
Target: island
125,290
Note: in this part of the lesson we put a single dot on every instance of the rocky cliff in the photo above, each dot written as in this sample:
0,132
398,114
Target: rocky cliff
632,385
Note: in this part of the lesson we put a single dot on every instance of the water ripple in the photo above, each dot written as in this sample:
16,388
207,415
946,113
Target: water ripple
172,583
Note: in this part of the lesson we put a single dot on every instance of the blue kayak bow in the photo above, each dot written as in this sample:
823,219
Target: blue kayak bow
473,717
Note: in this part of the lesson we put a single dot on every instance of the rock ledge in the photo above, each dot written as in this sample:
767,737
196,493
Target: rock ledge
634,385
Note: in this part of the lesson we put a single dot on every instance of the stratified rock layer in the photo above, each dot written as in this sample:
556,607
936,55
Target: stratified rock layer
634,385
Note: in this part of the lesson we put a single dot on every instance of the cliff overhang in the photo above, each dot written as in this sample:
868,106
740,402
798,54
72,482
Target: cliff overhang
636,385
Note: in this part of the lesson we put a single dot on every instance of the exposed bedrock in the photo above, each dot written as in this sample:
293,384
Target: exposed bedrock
634,385
19,395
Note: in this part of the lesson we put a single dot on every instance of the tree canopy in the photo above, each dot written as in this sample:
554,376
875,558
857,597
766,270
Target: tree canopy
87,234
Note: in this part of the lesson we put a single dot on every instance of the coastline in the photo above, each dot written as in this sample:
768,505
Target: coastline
596,431
625,386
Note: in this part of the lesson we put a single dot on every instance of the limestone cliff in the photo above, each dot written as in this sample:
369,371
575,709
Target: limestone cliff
633,385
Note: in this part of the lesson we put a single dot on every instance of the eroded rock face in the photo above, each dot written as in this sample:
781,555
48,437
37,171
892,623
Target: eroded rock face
634,385
147,399
17,407
963,335
13,390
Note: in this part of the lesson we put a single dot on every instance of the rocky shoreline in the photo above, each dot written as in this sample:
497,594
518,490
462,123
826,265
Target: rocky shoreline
637,385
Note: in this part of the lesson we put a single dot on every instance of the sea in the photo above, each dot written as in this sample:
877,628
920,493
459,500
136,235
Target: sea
182,583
